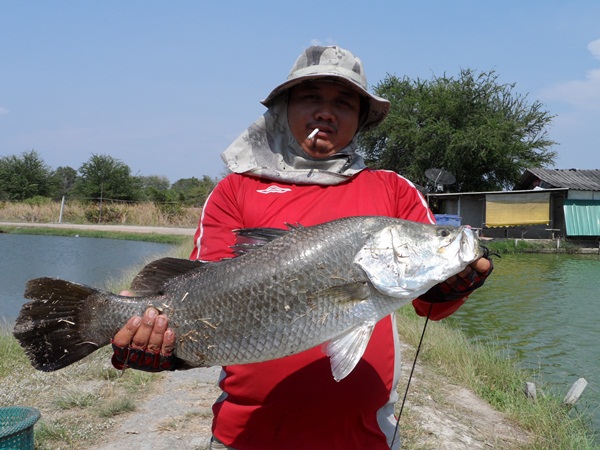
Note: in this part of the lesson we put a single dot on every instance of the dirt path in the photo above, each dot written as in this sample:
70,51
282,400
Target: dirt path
448,417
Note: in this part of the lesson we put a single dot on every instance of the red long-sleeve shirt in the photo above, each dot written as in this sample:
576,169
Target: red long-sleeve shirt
294,402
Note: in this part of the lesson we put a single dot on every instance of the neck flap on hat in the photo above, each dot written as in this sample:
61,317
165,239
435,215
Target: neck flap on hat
267,149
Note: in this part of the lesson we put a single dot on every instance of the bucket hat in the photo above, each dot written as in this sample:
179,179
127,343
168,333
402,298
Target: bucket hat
318,62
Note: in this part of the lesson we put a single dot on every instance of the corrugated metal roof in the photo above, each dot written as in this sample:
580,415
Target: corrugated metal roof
584,180
582,217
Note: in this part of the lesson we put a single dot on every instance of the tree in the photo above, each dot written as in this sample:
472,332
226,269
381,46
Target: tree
193,190
471,126
63,179
105,177
158,182
23,177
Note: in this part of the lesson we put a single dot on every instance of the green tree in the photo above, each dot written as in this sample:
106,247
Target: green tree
194,191
472,126
24,176
105,177
157,182
63,179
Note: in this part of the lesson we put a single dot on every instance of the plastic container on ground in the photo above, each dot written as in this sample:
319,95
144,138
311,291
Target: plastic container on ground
16,427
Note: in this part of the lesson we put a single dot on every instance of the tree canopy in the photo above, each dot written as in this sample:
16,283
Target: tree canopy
103,176
24,176
472,126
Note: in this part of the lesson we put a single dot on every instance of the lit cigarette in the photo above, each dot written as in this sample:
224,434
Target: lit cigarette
313,134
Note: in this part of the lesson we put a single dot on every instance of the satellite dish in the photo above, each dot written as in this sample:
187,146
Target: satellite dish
440,177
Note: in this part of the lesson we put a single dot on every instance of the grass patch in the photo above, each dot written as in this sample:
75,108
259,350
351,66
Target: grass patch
117,406
493,376
11,351
76,399
140,237
512,246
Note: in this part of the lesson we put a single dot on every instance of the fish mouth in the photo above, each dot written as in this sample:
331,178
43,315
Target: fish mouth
467,248
469,244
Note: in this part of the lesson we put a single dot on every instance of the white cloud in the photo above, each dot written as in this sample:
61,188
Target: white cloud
580,93
594,48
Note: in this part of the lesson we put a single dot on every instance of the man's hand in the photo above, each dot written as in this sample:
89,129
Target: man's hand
481,265
145,343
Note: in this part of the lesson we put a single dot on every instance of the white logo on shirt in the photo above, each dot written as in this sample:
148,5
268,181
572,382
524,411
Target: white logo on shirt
274,190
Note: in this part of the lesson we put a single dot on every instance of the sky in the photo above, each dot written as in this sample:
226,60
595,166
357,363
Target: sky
166,86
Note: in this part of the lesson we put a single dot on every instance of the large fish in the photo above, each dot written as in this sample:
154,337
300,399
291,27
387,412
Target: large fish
325,284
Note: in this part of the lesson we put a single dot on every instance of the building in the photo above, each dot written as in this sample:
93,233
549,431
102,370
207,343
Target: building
545,203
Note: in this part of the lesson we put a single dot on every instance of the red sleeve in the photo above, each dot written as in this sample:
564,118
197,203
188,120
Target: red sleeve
220,215
438,310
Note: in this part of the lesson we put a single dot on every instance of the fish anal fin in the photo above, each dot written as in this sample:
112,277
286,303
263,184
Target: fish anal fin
155,275
346,350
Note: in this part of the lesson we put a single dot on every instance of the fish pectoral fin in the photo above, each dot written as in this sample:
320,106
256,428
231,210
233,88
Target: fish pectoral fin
350,293
346,350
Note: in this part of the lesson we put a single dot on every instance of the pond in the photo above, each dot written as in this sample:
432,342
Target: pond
544,309
85,260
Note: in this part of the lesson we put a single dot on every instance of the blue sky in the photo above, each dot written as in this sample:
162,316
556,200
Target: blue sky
166,86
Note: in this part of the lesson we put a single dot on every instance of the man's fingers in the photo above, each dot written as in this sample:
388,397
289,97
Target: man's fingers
168,343
142,336
482,265
157,336
125,334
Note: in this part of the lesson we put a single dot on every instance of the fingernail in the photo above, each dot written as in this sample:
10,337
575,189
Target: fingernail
137,321
161,320
151,313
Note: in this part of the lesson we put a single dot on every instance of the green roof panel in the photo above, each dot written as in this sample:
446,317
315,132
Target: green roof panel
582,217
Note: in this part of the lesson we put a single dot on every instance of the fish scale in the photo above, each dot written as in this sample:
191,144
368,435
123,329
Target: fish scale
328,283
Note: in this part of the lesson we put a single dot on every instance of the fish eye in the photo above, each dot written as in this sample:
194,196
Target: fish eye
444,232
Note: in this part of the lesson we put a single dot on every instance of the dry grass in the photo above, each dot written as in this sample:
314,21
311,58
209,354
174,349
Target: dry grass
144,214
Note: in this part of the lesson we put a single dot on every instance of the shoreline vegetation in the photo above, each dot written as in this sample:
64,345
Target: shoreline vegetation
82,403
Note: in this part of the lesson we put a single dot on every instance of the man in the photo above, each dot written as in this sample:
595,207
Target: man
298,164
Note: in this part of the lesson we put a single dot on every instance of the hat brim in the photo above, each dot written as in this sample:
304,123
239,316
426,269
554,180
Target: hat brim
378,106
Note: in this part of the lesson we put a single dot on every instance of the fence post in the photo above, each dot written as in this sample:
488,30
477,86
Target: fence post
62,207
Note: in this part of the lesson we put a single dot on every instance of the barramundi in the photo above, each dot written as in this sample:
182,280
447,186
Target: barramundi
302,287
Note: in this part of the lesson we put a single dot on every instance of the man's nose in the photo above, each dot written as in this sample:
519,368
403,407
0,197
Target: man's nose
325,111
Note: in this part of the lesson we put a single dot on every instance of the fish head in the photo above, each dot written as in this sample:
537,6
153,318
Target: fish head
406,259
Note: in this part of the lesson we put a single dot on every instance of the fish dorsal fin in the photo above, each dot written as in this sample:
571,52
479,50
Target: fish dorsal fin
346,350
248,239
156,274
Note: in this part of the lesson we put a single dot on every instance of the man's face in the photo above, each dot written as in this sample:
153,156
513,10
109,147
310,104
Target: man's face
331,107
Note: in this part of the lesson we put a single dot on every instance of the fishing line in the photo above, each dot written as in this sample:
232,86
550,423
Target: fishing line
412,370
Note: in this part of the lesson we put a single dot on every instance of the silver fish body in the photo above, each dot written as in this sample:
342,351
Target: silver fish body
329,283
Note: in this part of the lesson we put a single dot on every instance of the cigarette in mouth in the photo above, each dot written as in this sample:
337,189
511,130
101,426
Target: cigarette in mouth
313,134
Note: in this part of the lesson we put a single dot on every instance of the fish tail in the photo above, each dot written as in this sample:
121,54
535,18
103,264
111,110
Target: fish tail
62,324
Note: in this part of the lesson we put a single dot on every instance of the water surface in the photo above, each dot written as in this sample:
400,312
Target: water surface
89,261
545,309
